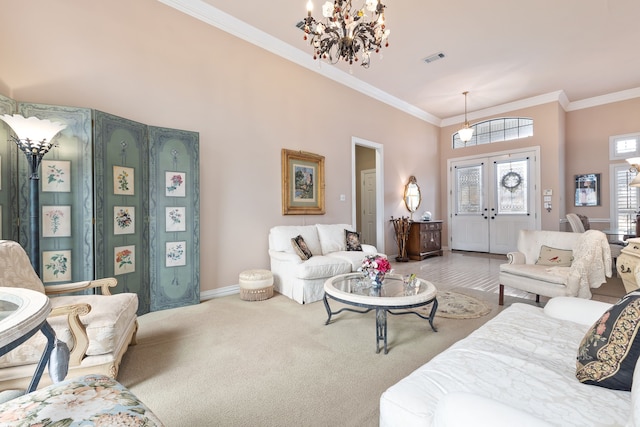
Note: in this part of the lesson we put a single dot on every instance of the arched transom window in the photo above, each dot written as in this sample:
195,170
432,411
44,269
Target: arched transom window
496,130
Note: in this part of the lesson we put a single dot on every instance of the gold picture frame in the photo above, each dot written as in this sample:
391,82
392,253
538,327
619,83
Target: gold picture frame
302,183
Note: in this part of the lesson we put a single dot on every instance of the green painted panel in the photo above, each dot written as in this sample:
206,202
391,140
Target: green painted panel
174,225
121,198
8,177
66,196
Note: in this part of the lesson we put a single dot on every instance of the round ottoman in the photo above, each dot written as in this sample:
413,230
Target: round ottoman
256,285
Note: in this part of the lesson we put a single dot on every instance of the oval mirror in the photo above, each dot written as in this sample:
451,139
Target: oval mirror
412,196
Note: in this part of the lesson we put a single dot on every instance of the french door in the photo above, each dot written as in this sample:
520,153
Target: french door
492,198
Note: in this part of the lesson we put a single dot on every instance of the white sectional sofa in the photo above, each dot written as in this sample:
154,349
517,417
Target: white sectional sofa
303,280
517,369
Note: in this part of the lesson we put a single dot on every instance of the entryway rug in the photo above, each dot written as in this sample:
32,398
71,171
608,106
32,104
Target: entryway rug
454,305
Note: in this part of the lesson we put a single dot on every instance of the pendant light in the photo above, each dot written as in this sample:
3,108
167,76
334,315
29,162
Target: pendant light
466,132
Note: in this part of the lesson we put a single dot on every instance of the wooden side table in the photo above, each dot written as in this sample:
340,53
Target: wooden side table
425,239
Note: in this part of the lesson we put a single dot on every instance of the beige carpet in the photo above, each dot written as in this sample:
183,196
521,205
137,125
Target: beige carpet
228,362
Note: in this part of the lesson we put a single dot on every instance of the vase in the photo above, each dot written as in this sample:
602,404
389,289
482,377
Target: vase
376,281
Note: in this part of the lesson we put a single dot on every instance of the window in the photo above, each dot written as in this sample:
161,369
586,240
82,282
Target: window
496,130
624,203
624,146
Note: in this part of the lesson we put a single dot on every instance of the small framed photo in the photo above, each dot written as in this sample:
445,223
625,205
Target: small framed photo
175,219
175,184
56,176
57,266
123,180
124,259
587,190
124,219
176,254
56,221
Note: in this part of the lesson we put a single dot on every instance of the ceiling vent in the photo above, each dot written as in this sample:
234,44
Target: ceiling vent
431,58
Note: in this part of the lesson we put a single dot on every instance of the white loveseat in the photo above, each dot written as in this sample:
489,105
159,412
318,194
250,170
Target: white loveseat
303,280
517,369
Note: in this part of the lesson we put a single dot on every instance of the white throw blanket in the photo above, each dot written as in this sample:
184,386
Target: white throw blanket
591,261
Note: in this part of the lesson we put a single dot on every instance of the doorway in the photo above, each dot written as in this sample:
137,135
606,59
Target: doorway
368,202
491,198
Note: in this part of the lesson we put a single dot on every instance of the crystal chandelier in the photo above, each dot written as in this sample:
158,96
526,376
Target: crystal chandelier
347,33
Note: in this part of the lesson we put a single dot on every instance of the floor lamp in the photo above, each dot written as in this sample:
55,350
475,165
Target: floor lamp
33,137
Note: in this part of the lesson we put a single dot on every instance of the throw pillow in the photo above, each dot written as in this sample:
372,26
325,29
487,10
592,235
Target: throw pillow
608,352
353,240
301,248
554,256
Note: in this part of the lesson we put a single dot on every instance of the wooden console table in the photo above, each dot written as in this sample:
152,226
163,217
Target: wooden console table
425,239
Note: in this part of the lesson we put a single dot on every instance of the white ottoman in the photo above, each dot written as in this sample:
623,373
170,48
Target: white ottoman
256,285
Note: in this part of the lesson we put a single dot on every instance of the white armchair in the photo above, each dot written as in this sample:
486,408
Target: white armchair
96,328
589,264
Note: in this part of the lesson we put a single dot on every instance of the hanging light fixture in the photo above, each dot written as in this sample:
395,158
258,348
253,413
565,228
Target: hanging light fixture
466,132
347,33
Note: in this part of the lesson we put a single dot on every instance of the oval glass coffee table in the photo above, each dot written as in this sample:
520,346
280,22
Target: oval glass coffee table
24,312
356,290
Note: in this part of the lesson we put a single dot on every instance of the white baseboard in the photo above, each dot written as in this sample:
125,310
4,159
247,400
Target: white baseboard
220,292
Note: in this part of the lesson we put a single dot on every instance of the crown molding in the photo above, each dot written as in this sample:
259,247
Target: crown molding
229,24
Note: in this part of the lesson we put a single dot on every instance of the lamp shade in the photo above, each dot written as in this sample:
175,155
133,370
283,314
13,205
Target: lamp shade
36,130
635,182
465,134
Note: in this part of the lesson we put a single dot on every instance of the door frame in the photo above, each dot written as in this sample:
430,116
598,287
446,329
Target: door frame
379,187
536,185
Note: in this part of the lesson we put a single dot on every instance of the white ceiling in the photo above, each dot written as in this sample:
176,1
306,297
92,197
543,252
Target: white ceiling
501,51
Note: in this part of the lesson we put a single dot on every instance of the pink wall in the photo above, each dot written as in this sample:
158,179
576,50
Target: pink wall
150,63
588,133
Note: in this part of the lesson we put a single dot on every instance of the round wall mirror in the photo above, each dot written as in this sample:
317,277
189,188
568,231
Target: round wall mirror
412,196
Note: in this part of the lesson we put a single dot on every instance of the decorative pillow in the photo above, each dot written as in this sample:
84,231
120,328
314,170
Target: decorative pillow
556,257
585,222
608,352
353,240
301,248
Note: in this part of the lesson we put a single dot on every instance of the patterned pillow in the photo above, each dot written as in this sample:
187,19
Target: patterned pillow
608,352
353,240
556,257
301,248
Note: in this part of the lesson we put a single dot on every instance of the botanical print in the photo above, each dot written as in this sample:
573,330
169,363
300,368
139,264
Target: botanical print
176,254
175,184
124,219
304,179
123,181
124,260
56,221
175,219
56,175
57,266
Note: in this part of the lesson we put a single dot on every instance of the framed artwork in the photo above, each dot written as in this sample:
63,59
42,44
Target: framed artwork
56,176
123,180
587,190
176,254
56,221
175,219
57,266
302,183
124,259
124,219
175,184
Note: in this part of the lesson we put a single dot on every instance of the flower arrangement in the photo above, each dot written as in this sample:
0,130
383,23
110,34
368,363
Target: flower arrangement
375,267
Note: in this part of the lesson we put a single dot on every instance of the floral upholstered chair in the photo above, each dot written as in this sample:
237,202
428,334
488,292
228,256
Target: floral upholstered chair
96,328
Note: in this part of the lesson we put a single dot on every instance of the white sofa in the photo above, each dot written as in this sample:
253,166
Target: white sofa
303,281
517,369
